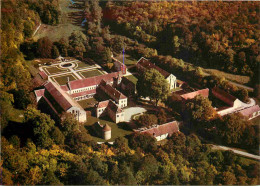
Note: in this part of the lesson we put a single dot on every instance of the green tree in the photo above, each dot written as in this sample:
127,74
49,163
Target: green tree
147,120
117,44
57,136
107,55
55,52
230,128
28,29
63,46
162,116
121,144
200,109
228,178
78,42
15,141
68,124
152,84
126,176
143,141
41,125
44,48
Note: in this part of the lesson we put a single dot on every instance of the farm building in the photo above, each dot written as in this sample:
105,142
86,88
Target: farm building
161,132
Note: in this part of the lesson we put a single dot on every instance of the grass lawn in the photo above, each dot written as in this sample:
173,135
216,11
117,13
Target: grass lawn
62,80
16,115
54,70
81,65
117,131
128,59
132,78
88,103
232,77
70,21
91,73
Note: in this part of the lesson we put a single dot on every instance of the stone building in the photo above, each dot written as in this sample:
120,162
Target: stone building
110,109
103,131
60,102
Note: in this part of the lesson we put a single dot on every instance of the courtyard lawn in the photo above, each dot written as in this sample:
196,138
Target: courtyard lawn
88,103
91,73
80,65
117,131
132,78
62,80
54,70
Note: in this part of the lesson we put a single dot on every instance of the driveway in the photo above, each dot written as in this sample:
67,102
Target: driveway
218,147
129,112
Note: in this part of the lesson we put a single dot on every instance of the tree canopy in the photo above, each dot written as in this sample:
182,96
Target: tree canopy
152,84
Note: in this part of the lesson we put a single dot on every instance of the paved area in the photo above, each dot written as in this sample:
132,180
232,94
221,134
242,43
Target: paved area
129,112
218,147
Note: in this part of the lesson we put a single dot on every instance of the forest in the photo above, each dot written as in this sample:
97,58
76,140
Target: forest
221,35
40,150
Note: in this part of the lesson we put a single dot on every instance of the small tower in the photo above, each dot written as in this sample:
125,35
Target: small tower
106,132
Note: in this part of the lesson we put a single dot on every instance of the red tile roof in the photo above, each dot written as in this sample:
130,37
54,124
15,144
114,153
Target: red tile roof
64,87
39,93
249,111
148,65
76,84
110,104
106,128
191,95
43,75
118,95
58,96
83,93
114,107
103,104
159,130
224,96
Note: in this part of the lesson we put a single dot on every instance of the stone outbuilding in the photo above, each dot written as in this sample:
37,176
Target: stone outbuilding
103,131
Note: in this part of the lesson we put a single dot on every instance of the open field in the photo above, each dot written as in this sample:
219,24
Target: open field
91,73
232,77
117,130
62,80
17,115
88,103
128,59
